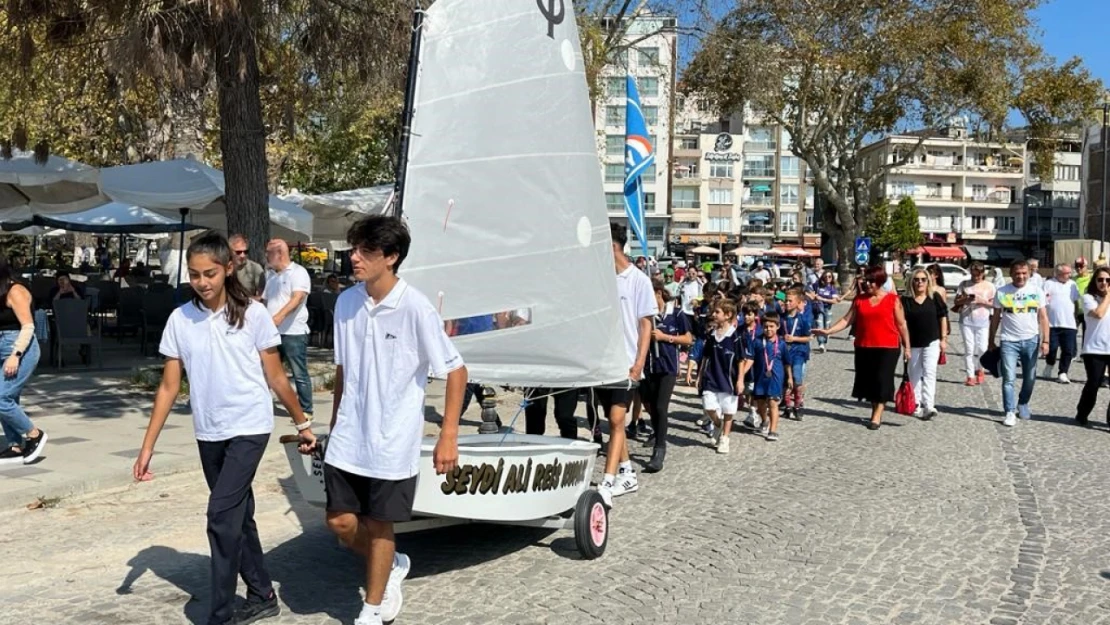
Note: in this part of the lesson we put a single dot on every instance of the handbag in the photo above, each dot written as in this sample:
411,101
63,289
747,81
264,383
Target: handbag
905,403
943,360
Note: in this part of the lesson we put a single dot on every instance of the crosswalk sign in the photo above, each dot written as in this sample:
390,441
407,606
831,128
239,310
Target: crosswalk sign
863,245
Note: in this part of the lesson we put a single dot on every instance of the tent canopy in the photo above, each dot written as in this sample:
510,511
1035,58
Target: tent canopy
705,249
939,252
59,185
169,186
334,213
110,218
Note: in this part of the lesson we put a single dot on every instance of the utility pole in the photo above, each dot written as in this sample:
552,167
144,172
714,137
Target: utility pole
1105,165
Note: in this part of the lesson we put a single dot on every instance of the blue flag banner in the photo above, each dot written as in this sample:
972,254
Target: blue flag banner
638,156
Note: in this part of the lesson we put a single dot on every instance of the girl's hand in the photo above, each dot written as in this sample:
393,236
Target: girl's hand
11,366
141,470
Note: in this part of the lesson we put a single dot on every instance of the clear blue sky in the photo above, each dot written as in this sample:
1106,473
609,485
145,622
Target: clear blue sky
1078,28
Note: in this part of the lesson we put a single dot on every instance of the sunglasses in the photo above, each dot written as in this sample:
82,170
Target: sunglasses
241,252
1103,281
920,279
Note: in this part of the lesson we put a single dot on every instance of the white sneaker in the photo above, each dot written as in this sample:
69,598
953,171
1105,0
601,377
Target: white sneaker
1010,420
1024,412
764,430
625,483
605,489
1047,373
366,617
722,445
931,412
392,599
753,422
1063,379
918,412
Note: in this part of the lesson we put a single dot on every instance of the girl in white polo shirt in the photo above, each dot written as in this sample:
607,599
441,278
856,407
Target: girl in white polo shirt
227,345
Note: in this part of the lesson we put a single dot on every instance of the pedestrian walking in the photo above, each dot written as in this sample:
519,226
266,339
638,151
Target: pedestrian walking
1021,324
938,280
825,296
19,351
719,380
766,359
927,321
671,332
1096,343
975,302
250,274
638,308
1061,295
227,346
796,330
388,340
881,336
286,295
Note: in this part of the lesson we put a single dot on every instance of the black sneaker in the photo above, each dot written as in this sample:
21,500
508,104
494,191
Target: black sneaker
32,447
11,456
798,414
256,609
630,432
644,429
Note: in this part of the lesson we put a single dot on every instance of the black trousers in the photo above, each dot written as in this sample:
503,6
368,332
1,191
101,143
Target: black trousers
655,392
229,467
1062,340
1095,365
535,413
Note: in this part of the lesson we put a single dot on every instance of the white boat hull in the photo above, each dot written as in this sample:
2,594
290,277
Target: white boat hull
499,478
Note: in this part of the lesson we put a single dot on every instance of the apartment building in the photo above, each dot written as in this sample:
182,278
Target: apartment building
966,191
650,59
735,182
1052,206
1094,224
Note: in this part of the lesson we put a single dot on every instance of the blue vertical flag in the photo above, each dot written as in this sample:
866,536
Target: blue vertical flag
638,156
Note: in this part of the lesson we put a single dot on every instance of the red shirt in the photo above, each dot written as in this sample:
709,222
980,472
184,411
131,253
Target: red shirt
875,323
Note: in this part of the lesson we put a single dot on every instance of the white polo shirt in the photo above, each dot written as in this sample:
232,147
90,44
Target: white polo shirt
279,289
637,301
228,392
387,352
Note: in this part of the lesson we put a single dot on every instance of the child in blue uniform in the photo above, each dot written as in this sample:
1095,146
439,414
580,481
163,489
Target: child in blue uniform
719,371
766,359
796,331
671,331
750,330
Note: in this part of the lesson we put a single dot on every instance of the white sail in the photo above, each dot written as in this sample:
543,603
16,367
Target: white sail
504,194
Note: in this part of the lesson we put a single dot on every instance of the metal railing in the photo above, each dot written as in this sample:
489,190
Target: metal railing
760,145
759,172
756,229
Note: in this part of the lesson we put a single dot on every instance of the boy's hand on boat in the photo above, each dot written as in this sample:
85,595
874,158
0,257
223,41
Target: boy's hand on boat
308,442
445,457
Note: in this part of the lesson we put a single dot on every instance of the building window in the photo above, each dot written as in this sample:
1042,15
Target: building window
759,166
790,166
788,223
902,188
615,87
614,115
809,221
1065,225
979,192
809,196
1005,224
649,174
655,232
614,202
684,225
614,172
651,115
684,198
788,195
1065,199
649,202
720,224
648,86
720,169
614,145
688,143
720,196
979,222
1066,172
647,57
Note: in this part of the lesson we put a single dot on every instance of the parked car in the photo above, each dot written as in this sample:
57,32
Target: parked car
953,275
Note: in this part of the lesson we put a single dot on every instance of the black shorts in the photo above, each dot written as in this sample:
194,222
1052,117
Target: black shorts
381,500
609,397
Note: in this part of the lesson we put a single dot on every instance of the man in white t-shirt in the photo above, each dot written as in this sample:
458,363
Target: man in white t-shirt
1021,323
1062,295
1035,277
285,294
638,308
760,272
388,340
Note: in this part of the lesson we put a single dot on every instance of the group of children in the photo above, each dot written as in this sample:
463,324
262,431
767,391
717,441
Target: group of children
754,357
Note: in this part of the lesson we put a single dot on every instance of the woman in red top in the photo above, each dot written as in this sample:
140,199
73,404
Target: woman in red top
881,335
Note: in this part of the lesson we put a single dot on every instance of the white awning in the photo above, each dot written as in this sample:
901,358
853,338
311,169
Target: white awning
334,213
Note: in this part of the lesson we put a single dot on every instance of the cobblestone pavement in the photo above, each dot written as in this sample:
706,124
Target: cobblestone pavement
953,521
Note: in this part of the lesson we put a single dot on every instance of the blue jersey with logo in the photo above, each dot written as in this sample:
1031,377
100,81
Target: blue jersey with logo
799,324
720,362
768,366
663,357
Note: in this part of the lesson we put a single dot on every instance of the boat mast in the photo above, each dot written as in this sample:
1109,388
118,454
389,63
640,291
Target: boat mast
407,111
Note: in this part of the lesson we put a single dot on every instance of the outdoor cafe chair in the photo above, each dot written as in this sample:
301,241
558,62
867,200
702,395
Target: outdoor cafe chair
157,307
71,321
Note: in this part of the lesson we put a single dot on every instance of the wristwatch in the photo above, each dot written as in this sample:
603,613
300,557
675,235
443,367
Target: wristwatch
17,354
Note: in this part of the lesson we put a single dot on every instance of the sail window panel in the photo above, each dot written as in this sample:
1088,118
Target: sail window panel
492,322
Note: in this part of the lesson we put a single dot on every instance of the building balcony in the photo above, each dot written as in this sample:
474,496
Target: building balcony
689,215
759,172
1006,171
760,146
686,181
681,152
759,200
757,229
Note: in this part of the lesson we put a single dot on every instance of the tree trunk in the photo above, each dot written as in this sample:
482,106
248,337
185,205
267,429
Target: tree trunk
242,138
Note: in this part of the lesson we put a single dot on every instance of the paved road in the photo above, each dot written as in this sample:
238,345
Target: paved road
954,521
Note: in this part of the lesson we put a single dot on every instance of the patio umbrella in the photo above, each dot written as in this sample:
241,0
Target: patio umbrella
749,251
334,213
789,252
705,249
58,185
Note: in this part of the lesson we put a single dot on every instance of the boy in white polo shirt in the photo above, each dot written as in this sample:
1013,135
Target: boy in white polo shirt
388,340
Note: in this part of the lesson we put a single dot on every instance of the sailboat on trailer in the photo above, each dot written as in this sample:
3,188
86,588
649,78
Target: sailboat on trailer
502,192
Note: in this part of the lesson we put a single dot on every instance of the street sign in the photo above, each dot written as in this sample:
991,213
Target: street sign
863,245
861,258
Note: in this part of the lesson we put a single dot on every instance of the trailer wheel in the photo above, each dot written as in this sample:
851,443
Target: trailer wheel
591,525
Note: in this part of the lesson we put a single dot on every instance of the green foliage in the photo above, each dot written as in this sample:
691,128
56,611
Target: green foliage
878,227
904,230
1055,99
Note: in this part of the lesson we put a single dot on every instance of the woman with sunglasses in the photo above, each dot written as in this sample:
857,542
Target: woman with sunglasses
975,301
881,336
1096,343
927,320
